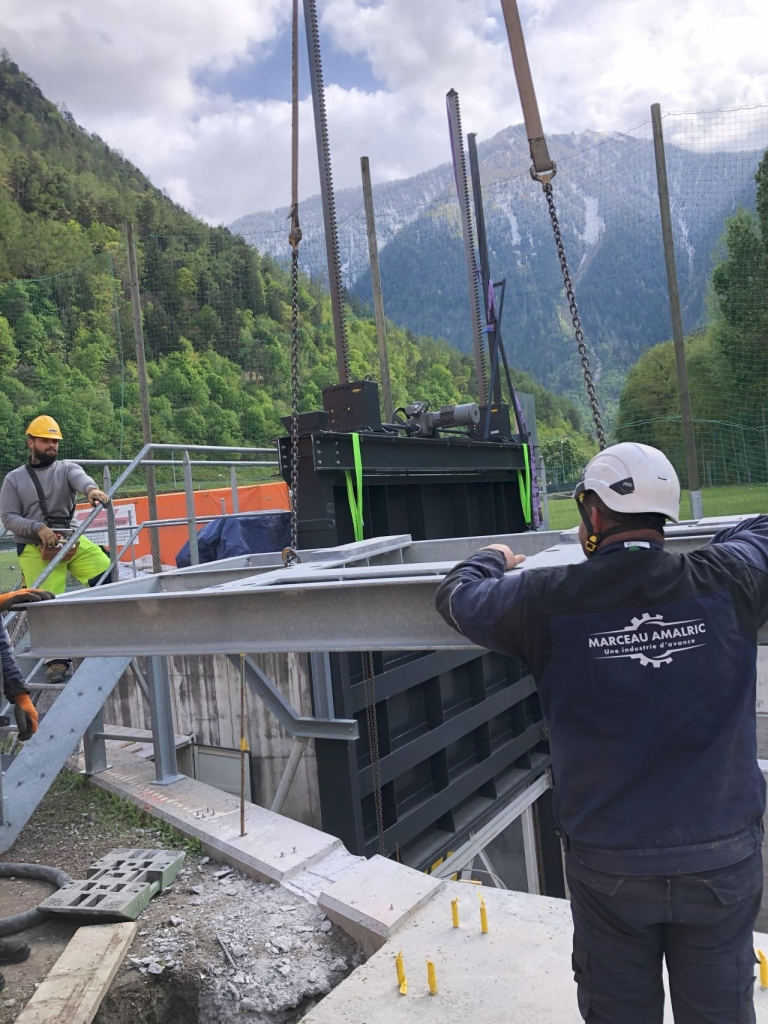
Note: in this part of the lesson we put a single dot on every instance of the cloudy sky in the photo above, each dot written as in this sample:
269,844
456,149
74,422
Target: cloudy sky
196,92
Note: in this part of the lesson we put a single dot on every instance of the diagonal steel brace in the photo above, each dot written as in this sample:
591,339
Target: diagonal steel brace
294,724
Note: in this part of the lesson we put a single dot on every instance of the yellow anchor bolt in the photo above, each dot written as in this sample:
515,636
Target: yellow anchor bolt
455,912
483,915
763,968
402,981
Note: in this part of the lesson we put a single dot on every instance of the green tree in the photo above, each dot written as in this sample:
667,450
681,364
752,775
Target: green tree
9,354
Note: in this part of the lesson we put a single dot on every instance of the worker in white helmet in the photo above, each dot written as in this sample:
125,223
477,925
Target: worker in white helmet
645,663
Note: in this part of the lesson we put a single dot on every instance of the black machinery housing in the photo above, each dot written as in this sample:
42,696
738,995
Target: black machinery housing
458,731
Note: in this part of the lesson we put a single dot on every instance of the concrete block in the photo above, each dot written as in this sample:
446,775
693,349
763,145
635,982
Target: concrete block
141,865
101,898
375,898
274,848
321,876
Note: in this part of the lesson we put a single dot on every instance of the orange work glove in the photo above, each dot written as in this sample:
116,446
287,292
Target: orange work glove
25,713
19,597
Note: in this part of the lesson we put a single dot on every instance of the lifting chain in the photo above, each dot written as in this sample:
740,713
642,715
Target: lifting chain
373,745
578,332
295,400
243,744
291,555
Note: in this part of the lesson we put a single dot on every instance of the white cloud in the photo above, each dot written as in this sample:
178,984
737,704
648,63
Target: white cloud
129,72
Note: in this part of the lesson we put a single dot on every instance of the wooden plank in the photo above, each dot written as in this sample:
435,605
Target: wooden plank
80,978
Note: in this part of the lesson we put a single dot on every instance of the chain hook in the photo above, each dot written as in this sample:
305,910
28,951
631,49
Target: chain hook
290,557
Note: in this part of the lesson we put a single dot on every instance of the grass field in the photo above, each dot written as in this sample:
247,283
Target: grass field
718,501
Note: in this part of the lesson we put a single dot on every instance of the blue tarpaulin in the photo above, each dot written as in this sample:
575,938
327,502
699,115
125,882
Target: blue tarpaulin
240,535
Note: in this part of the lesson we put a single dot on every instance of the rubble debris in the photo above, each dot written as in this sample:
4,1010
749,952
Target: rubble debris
265,958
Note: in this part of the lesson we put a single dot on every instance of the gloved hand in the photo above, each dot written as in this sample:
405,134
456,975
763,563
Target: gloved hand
97,497
48,538
25,713
17,597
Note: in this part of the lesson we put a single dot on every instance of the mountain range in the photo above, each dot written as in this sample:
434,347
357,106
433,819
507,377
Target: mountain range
606,196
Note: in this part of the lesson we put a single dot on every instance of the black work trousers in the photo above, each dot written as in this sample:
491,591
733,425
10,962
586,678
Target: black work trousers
700,924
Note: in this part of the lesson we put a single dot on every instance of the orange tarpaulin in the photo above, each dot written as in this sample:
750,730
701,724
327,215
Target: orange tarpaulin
252,498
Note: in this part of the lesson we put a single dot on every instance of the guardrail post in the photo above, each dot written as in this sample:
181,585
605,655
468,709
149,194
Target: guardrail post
233,485
163,738
114,576
95,749
141,370
194,554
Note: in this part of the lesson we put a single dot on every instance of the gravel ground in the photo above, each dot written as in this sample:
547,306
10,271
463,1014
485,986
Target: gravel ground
215,947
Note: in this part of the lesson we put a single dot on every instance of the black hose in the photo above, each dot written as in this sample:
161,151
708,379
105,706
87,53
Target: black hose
40,872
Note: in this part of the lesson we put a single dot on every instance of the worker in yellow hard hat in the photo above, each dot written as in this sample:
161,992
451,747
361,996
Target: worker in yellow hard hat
37,505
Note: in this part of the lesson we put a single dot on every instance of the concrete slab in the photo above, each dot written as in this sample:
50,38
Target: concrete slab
519,973
375,898
323,875
274,848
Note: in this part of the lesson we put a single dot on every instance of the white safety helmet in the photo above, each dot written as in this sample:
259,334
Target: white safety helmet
633,479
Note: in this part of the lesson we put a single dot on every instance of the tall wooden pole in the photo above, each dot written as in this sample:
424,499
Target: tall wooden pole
378,300
141,370
697,510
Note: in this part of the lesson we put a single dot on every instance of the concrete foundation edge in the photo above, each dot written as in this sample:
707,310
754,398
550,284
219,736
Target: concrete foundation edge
248,864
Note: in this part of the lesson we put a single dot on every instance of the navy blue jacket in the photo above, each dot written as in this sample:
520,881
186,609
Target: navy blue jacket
645,663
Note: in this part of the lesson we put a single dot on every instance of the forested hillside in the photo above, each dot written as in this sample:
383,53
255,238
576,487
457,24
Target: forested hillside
727,365
216,311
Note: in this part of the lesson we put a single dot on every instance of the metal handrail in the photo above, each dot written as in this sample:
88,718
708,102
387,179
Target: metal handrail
130,468
177,465
157,523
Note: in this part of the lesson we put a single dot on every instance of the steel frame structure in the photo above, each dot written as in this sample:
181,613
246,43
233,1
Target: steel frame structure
475,741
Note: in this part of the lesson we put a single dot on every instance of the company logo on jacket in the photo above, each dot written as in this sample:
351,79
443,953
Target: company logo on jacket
649,640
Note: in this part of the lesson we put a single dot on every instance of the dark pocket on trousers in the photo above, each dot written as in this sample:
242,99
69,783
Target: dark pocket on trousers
739,881
746,983
582,975
599,881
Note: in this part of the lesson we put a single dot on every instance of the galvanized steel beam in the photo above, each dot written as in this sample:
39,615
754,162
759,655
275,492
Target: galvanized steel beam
313,607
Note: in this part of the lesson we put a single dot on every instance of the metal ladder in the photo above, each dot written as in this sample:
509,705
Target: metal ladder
32,771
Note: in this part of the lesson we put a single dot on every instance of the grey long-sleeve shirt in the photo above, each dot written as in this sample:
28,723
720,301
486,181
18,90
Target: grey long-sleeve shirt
20,511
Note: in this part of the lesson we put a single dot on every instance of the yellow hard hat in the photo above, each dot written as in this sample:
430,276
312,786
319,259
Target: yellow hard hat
44,426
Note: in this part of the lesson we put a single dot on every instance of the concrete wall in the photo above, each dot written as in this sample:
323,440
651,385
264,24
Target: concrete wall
206,702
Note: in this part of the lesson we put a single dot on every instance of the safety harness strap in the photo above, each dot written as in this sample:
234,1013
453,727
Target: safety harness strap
356,500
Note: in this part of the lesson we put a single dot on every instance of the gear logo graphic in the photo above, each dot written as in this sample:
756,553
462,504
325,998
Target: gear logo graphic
649,639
